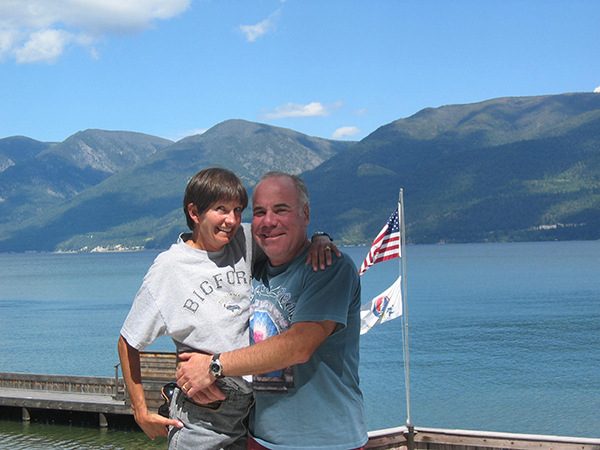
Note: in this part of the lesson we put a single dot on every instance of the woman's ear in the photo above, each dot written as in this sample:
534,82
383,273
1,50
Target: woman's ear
193,212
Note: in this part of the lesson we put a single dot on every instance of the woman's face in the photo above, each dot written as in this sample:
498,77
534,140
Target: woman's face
217,225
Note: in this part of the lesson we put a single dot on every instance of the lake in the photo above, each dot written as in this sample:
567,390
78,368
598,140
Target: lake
502,337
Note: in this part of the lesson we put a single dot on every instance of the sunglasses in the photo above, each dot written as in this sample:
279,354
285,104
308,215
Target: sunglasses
167,393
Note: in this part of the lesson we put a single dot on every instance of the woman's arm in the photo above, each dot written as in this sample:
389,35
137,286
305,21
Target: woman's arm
152,424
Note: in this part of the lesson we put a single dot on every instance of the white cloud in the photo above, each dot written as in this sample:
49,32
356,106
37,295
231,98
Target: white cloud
46,45
597,90
361,112
7,41
41,30
314,109
253,32
344,132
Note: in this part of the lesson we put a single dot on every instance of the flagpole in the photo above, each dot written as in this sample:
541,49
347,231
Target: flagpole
390,243
410,434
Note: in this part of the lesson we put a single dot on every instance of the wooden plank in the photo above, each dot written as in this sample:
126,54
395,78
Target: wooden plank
158,366
28,398
471,439
439,439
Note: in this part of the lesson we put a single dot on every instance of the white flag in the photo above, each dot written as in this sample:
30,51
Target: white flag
386,306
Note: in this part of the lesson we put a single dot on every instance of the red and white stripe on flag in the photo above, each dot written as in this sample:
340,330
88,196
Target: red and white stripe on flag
386,245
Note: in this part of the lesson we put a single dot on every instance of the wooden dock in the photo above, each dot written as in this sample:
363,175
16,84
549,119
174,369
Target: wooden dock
107,396
101,395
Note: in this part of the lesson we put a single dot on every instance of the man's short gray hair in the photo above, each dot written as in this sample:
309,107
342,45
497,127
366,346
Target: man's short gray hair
298,182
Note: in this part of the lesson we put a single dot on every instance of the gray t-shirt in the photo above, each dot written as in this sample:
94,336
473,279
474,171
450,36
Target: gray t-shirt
200,299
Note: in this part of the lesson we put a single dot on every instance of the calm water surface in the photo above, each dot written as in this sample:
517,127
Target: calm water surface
503,337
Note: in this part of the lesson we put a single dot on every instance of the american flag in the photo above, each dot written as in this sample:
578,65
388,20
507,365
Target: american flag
385,246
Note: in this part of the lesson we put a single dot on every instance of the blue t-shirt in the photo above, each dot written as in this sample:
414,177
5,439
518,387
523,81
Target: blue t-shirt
318,404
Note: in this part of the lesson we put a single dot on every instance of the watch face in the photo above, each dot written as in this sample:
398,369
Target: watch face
215,369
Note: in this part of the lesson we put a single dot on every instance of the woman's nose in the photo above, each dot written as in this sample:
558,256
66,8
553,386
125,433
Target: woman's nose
231,217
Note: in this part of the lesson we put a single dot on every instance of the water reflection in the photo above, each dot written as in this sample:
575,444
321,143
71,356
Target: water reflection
46,436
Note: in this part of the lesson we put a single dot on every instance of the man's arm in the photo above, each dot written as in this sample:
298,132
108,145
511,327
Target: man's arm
152,424
294,346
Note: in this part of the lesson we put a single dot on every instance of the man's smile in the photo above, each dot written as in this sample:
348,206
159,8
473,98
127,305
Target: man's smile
274,235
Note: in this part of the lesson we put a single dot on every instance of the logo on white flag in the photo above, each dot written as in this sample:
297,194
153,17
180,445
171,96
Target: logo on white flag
380,305
386,306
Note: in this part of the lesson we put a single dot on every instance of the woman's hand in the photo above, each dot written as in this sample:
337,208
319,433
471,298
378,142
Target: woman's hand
155,425
319,252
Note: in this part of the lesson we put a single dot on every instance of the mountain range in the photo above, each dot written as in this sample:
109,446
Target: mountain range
507,169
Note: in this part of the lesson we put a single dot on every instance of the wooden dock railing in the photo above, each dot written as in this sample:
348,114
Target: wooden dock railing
103,395
444,439
61,383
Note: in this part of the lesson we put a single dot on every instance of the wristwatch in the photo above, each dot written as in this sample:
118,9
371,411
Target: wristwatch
215,368
320,233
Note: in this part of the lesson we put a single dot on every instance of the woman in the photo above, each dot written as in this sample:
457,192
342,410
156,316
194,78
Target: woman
198,293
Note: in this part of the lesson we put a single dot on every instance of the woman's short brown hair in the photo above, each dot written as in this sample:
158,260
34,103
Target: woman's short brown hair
210,186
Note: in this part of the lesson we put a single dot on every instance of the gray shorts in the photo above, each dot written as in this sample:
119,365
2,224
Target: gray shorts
221,425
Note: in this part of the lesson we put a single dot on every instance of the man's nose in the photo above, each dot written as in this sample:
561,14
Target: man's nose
269,219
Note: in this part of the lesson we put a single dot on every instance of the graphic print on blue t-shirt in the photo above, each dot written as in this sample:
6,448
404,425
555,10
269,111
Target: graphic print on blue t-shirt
267,320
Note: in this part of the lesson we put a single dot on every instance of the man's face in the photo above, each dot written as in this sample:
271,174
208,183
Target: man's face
279,223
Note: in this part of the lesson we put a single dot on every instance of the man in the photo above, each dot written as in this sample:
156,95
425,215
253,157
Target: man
305,330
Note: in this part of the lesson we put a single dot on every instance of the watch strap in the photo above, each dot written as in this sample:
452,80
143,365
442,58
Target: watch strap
320,233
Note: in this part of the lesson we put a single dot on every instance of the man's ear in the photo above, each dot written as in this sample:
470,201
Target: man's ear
193,212
306,214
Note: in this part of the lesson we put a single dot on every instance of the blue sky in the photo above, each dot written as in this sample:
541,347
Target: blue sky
332,69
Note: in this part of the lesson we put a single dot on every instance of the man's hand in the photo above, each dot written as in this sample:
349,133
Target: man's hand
319,252
193,377
155,425
209,394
